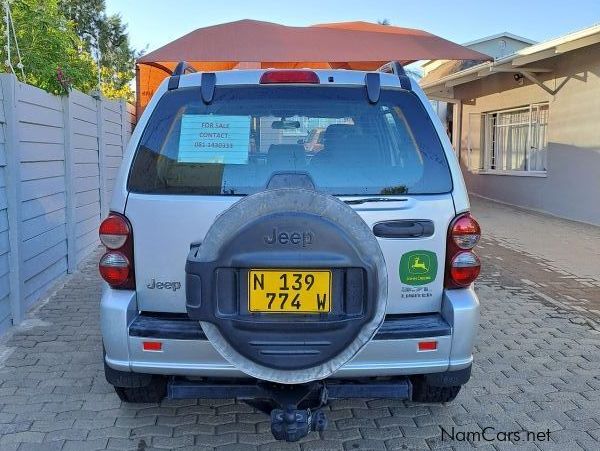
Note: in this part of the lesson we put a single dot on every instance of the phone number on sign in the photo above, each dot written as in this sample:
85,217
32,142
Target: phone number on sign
203,145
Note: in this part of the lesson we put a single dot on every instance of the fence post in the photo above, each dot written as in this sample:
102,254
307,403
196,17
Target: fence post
13,193
124,124
127,126
69,183
104,201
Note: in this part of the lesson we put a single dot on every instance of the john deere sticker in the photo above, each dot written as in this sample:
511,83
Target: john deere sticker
418,267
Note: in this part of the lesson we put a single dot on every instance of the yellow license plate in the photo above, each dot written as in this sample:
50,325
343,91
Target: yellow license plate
289,291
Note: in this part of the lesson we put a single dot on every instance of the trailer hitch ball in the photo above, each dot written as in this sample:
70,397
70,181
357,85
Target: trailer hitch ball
292,424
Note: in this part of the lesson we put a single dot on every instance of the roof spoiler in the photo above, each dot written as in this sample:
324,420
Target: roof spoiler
182,68
394,67
373,83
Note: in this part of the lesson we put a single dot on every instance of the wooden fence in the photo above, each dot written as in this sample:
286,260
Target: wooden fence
58,160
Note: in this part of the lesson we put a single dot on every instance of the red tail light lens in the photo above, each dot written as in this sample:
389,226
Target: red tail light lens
464,268
462,265
289,76
114,231
114,268
116,265
465,232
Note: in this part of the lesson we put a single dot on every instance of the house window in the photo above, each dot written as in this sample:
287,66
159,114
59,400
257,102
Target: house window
513,140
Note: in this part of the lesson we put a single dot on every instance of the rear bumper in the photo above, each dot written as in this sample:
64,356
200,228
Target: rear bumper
186,352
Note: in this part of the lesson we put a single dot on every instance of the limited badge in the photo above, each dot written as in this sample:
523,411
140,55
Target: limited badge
418,267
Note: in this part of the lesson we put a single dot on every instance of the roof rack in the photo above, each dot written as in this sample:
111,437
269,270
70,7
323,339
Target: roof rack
394,67
182,68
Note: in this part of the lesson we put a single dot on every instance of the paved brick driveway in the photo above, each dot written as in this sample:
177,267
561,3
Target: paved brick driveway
537,369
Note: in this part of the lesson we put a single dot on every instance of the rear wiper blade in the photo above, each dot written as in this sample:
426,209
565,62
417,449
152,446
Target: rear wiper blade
373,199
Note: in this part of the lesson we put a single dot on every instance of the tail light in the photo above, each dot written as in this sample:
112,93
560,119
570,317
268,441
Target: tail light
462,265
289,76
465,232
114,268
114,231
116,265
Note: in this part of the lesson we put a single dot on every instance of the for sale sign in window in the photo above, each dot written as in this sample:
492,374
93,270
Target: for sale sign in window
214,139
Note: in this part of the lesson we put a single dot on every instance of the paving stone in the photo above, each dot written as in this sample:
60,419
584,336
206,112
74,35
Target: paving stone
135,422
381,433
364,444
96,423
87,445
172,442
216,440
406,443
53,446
193,429
235,427
255,439
127,444
277,446
421,432
112,432
236,447
67,434
176,420
351,423
11,428
321,445
49,426
152,431
20,437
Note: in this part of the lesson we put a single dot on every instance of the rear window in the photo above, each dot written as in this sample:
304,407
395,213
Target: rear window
234,145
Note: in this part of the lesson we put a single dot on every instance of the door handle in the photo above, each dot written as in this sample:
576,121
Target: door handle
405,228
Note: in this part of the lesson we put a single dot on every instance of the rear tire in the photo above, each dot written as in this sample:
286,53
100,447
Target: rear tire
423,392
154,392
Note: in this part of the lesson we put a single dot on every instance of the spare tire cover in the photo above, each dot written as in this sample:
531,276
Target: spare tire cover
287,229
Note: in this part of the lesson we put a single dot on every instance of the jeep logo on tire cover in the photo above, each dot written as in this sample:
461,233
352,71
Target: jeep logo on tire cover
293,238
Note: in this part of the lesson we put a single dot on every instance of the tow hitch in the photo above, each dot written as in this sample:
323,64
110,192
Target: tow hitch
295,410
289,422
292,424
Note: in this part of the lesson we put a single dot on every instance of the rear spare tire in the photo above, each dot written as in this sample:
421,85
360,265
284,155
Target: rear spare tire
291,237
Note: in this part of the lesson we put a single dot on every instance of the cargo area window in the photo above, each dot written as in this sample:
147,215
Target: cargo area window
234,145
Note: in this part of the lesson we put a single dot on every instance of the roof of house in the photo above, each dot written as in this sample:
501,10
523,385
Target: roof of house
517,62
504,34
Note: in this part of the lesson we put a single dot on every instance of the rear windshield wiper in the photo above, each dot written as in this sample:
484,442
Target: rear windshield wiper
373,199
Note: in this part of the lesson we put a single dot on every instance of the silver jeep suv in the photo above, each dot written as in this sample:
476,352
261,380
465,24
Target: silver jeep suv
240,265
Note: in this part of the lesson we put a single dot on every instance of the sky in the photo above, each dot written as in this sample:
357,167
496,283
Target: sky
154,23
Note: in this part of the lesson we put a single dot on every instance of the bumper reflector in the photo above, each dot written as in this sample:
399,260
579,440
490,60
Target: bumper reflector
152,346
428,345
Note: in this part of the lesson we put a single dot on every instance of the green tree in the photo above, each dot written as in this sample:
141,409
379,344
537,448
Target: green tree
106,38
52,54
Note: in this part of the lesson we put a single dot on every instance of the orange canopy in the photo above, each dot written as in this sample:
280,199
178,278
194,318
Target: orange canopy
256,44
